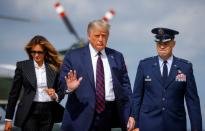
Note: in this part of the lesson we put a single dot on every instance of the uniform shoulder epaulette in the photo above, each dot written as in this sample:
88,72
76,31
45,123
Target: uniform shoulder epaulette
183,60
149,58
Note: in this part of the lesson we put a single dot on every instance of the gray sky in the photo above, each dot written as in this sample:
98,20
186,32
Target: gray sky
130,28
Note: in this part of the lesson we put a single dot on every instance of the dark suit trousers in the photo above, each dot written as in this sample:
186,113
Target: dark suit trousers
108,119
40,118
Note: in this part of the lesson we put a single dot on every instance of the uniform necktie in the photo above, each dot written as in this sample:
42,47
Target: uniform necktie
165,72
100,86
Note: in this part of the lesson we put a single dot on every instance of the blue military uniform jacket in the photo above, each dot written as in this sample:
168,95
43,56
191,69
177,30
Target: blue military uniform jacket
161,108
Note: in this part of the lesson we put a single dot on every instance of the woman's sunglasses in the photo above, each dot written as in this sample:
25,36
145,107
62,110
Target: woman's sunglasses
37,52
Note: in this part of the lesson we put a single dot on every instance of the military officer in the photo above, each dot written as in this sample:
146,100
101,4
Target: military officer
161,85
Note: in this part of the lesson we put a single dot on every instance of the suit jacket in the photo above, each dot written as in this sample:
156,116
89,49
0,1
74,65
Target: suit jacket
161,108
80,106
25,77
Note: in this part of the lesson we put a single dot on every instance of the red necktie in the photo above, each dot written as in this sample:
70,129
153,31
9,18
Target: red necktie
100,86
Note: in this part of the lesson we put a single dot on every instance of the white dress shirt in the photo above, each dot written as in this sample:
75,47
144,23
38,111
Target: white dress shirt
41,95
109,93
169,64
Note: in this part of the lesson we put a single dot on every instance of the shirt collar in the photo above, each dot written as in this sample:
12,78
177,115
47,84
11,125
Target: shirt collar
169,61
38,67
94,52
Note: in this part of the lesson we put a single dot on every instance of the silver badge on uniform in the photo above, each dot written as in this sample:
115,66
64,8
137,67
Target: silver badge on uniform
147,78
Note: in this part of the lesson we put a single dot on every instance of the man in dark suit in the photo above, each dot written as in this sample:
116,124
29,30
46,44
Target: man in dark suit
96,79
161,85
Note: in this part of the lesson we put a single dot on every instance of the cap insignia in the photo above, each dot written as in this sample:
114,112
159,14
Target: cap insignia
161,31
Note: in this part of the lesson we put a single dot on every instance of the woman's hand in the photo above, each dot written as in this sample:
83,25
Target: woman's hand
51,92
8,126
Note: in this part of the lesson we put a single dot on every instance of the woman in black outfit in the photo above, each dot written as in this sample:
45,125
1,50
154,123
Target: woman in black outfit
39,78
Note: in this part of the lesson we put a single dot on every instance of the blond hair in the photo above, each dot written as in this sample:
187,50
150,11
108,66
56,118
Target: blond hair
51,55
100,23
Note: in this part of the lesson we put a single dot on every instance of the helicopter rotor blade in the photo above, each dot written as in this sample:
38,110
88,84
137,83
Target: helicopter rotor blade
12,18
60,10
109,15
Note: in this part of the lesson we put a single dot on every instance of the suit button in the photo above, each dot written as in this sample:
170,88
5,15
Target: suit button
163,99
163,108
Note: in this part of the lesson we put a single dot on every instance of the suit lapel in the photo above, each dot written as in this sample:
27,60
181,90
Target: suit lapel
113,66
50,75
30,73
156,69
173,72
87,63
111,59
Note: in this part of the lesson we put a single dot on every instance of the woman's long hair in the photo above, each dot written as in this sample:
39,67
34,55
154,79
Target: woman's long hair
51,55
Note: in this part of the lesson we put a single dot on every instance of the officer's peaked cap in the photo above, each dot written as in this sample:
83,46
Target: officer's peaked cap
164,34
